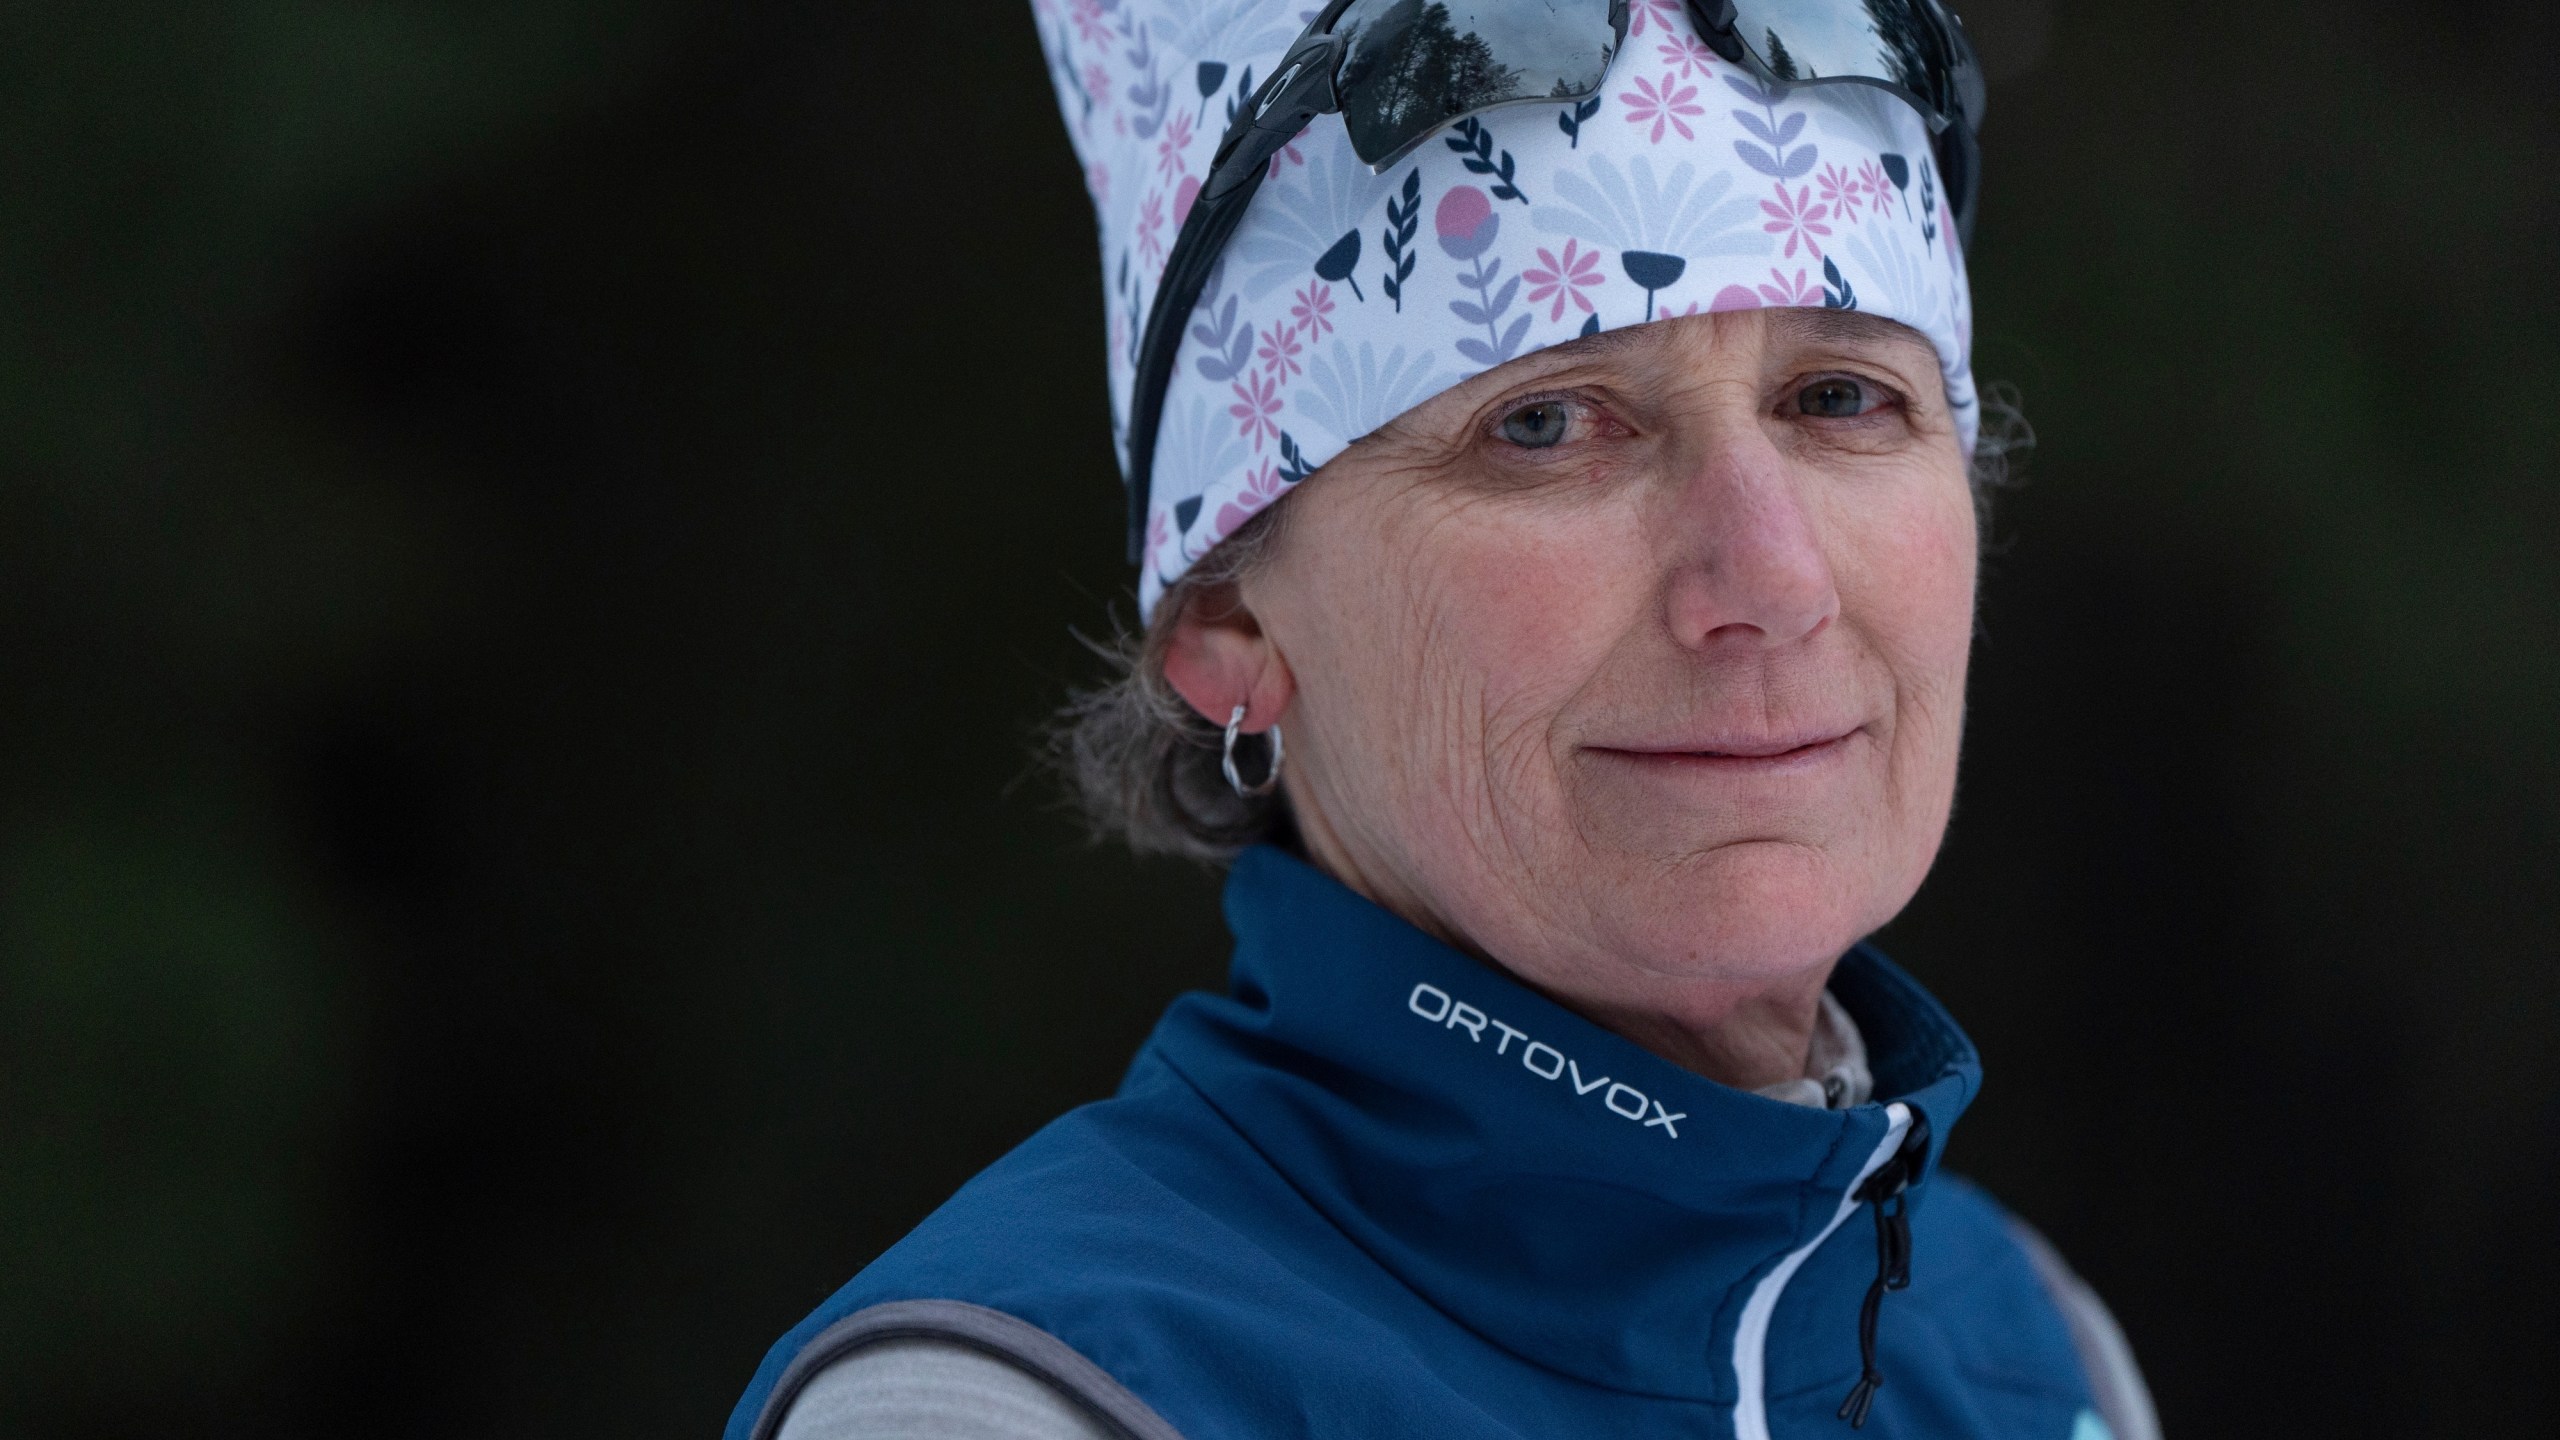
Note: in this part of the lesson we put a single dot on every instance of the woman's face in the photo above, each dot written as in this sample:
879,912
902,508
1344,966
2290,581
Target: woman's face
1637,664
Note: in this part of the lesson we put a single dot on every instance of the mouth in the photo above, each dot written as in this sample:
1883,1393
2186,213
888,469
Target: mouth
1735,754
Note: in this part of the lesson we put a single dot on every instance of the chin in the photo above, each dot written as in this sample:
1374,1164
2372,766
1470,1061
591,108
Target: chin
1745,914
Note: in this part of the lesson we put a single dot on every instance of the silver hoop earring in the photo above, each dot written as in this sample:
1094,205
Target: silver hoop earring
1270,781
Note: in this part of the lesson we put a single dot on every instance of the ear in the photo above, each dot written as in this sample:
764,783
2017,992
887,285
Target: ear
1220,658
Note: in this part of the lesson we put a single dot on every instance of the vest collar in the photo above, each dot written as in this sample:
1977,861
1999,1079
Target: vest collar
1557,1189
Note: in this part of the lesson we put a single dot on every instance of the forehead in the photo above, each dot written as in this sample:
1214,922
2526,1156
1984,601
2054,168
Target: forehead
1776,328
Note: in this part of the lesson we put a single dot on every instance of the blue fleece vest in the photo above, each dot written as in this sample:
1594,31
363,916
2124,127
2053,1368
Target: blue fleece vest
1380,1189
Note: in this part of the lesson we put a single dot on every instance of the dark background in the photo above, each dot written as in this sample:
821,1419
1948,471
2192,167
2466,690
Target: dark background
524,593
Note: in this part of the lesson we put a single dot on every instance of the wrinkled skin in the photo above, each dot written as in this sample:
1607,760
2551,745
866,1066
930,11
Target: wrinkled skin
1635,667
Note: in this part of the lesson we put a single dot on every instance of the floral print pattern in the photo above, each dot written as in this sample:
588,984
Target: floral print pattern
1565,277
1314,311
1797,218
1685,56
1663,106
1840,191
1660,17
1345,297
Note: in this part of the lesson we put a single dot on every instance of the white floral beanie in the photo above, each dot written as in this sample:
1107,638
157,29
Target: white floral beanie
1346,298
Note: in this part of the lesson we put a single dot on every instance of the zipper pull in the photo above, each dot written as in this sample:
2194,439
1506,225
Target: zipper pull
1885,1190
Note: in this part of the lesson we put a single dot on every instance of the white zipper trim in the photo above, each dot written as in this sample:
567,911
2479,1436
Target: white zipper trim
1751,1336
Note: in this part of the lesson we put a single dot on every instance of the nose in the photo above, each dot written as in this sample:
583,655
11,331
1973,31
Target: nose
1747,557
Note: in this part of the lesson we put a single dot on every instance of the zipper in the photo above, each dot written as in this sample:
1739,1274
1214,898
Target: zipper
1887,1191
1751,1333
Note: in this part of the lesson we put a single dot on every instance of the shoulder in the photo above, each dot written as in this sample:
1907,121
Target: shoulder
939,1370
1148,1184
1145,1237
2020,1299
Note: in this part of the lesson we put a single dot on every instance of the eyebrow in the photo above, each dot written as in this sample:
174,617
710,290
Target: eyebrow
1592,347
1802,323
1844,325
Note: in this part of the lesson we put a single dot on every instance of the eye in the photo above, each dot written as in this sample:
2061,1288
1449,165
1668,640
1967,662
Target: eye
1837,397
1536,427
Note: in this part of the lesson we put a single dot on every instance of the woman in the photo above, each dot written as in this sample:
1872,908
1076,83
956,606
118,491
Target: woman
1617,623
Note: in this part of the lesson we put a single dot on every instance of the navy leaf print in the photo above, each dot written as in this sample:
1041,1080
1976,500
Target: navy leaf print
1402,221
1244,92
1836,294
1570,118
1475,142
1590,325
1293,461
1898,170
1337,263
1212,73
1184,512
1653,271
1928,207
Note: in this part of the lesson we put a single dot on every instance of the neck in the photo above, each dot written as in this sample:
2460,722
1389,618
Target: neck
1748,1036
1756,1039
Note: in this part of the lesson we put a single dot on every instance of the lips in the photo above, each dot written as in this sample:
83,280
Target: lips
1742,749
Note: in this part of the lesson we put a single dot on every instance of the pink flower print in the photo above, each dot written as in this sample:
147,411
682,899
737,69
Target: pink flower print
1786,291
1663,107
1097,178
1261,486
1840,191
1097,84
1685,55
1159,530
1871,179
1177,136
1798,218
1279,350
1183,195
1465,222
1564,277
1257,400
1151,227
1090,27
1658,12
1733,297
1288,153
1314,311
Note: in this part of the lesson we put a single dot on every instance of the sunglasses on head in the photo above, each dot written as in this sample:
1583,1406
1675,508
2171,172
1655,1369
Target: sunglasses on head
1399,71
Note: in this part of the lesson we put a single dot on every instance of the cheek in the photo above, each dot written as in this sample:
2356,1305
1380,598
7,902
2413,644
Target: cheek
1910,593
1906,580
1483,628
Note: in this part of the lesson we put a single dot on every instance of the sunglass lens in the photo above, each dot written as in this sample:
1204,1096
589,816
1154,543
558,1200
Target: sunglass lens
1412,66
1902,43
